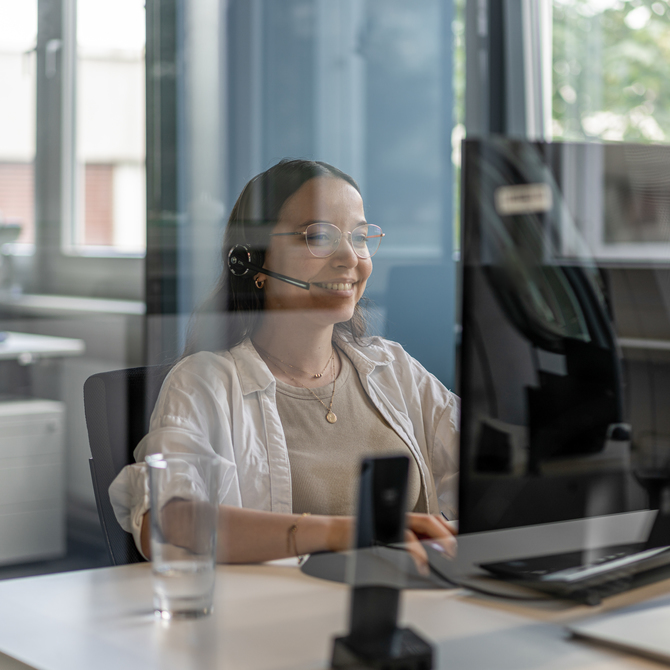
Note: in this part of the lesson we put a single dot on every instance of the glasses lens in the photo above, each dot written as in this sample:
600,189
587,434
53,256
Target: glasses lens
322,238
366,240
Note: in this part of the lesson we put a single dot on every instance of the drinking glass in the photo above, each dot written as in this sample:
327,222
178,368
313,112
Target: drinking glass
184,508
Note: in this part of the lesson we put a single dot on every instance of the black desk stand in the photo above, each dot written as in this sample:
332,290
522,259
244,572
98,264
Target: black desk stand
374,640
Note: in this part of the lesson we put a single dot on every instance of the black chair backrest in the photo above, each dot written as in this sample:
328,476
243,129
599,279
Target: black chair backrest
118,407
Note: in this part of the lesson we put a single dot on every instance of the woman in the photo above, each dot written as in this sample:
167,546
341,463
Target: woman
297,396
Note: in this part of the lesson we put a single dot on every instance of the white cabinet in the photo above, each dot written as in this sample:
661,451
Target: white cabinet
32,481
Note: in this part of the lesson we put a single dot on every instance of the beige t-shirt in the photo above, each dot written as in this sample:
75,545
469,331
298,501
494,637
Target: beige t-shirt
326,458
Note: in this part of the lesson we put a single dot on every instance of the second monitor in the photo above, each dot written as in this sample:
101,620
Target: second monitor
565,365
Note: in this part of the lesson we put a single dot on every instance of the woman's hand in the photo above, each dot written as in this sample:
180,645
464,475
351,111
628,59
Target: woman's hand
421,527
183,523
432,527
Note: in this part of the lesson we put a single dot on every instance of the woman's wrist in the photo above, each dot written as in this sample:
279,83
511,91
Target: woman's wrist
321,533
339,529
145,535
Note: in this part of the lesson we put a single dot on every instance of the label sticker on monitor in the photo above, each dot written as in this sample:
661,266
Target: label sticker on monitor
523,199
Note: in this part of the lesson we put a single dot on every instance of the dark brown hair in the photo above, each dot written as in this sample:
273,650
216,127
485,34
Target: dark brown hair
252,218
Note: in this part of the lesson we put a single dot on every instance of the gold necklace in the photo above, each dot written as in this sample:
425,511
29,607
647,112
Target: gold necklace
331,417
318,375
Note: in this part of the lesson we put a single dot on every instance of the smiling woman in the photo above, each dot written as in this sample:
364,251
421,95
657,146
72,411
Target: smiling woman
297,395
269,218
337,281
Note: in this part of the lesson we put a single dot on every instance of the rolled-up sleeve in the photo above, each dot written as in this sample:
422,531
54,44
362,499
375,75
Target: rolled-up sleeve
439,426
129,494
191,416
445,457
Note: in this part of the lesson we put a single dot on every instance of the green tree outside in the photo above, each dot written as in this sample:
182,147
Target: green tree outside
611,70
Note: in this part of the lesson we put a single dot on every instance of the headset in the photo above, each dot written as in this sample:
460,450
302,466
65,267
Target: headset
240,263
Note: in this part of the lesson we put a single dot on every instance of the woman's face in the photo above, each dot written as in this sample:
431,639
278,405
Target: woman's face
322,199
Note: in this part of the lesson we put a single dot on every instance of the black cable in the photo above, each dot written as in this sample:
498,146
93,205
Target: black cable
478,589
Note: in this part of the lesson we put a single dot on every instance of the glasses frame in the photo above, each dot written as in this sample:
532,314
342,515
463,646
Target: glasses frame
339,241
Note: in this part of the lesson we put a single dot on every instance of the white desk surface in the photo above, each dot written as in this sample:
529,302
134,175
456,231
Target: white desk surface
27,303
27,348
274,617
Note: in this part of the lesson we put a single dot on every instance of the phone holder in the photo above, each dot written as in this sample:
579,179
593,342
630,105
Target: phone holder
374,640
402,649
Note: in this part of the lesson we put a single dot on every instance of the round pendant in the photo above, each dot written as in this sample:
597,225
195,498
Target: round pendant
330,417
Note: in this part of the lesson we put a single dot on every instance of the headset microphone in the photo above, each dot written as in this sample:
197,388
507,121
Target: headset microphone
239,263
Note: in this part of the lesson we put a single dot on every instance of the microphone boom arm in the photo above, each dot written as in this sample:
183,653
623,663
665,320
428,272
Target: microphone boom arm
239,263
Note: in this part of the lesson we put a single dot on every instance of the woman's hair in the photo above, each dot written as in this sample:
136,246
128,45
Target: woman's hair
251,220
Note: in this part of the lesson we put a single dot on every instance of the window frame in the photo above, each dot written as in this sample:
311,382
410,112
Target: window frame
55,266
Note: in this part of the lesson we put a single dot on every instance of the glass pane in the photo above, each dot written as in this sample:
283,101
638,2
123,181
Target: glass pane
366,85
18,31
110,125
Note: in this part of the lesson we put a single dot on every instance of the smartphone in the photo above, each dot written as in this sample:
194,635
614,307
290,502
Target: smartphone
382,501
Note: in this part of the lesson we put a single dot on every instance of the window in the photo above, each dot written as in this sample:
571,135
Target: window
17,115
72,142
109,213
610,82
458,132
611,62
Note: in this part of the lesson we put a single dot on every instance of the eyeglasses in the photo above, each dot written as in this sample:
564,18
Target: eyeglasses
323,239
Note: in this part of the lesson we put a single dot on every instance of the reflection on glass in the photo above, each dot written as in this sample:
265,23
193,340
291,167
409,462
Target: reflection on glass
564,350
637,198
366,86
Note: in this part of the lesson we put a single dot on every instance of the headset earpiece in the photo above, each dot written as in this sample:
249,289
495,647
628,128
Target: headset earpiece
239,260
240,263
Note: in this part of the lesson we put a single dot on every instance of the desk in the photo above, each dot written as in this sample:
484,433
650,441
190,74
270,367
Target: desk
19,350
273,616
27,348
67,305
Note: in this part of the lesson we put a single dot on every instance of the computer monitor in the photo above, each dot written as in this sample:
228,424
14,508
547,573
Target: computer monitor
565,356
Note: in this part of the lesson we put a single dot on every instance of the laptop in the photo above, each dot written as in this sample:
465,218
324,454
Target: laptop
590,574
641,629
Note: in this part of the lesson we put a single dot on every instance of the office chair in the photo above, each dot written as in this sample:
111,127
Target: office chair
118,407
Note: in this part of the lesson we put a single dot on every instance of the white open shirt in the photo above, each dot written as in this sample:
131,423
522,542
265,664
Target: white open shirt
224,404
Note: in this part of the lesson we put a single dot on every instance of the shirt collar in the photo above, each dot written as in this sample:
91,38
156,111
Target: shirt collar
256,376
366,359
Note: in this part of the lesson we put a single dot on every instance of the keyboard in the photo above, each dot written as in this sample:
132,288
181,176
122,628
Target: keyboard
576,574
